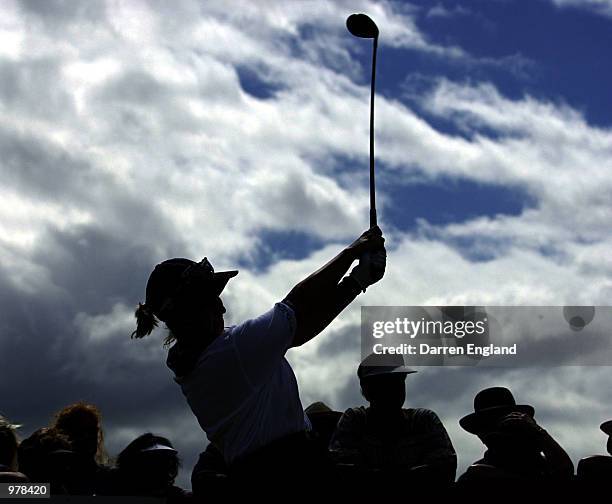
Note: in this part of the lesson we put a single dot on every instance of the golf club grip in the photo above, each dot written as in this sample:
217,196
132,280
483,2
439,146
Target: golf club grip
373,217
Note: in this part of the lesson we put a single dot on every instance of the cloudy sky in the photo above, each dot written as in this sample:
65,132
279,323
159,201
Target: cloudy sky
134,131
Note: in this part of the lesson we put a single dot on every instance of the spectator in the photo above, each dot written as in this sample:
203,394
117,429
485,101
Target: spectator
597,469
518,449
237,380
81,423
324,421
8,453
606,427
45,457
387,439
148,466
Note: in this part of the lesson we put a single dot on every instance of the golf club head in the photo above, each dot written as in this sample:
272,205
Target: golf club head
362,26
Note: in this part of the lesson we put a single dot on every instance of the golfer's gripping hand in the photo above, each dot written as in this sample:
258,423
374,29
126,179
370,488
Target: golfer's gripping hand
369,241
370,250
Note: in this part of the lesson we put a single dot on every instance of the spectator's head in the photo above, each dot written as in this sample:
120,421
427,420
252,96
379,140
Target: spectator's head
82,424
185,295
8,443
324,421
383,381
607,428
150,463
37,454
594,469
491,407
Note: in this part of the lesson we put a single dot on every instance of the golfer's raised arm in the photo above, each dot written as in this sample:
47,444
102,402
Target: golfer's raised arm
320,297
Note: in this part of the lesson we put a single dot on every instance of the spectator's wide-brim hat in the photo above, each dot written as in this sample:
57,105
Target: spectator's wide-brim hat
322,417
319,408
378,364
489,405
607,427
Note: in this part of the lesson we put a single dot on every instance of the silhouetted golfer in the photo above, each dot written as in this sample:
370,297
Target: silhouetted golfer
518,449
385,437
237,380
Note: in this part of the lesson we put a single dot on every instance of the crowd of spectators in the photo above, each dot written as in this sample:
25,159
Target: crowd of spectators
381,443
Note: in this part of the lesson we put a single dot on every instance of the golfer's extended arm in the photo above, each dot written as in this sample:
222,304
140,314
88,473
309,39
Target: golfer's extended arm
320,297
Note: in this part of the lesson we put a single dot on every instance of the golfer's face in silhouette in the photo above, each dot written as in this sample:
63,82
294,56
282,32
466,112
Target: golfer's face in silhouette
215,311
385,392
205,310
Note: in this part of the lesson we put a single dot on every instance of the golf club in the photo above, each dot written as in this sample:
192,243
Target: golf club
362,26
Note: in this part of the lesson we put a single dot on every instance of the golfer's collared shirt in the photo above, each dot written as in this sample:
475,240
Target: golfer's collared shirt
242,389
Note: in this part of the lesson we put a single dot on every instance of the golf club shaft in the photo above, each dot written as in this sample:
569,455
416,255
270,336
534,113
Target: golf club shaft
372,181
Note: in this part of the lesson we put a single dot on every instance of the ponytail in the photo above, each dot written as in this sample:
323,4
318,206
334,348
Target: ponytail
146,321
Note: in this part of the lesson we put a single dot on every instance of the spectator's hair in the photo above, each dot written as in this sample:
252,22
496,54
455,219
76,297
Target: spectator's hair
78,418
33,452
8,441
128,460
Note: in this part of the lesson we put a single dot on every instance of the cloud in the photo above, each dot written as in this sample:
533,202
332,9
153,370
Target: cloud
440,11
597,6
548,148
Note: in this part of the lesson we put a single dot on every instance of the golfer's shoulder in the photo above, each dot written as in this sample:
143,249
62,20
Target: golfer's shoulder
267,336
280,317
286,311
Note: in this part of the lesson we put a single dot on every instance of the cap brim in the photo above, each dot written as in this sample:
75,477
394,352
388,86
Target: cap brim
158,447
476,422
221,279
382,370
607,427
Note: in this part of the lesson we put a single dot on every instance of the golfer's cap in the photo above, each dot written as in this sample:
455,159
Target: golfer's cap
170,276
158,447
607,427
376,364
